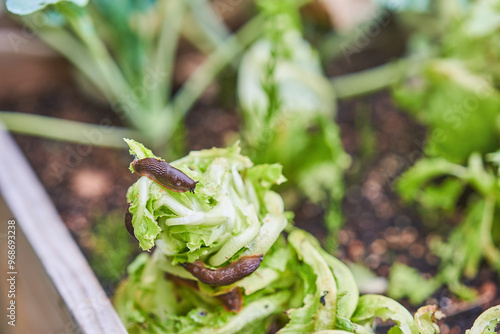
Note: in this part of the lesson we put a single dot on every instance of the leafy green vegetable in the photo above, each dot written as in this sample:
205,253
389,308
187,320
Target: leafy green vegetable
330,294
347,290
324,299
469,242
232,205
148,302
455,96
233,212
371,306
451,120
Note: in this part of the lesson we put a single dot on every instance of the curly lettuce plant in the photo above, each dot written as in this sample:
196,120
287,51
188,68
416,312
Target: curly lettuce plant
288,107
231,205
233,213
455,95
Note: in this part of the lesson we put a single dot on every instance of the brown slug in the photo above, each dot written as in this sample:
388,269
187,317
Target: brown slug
227,275
182,281
164,174
128,224
232,301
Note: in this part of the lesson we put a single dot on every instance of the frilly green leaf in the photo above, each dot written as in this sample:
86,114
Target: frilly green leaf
426,317
486,322
373,306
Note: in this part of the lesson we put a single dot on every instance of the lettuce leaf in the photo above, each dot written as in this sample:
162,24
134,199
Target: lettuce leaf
372,306
232,210
486,322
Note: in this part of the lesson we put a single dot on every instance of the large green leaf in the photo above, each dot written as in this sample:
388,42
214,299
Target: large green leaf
373,306
486,322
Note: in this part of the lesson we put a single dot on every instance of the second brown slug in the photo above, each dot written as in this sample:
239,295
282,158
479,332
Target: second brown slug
128,224
232,301
227,275
182,281
164,174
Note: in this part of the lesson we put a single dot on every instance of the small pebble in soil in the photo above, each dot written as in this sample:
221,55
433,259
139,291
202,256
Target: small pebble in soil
90,184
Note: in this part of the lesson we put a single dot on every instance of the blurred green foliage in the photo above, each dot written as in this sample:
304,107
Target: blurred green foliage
403,283
125,53
289,108
455,95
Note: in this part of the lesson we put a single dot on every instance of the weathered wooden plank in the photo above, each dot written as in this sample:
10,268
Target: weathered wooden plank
62,260
38,306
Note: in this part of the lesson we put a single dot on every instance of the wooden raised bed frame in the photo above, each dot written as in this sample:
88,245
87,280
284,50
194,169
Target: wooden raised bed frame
56,290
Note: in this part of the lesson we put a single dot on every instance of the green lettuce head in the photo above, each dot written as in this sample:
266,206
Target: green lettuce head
232,212
298,287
